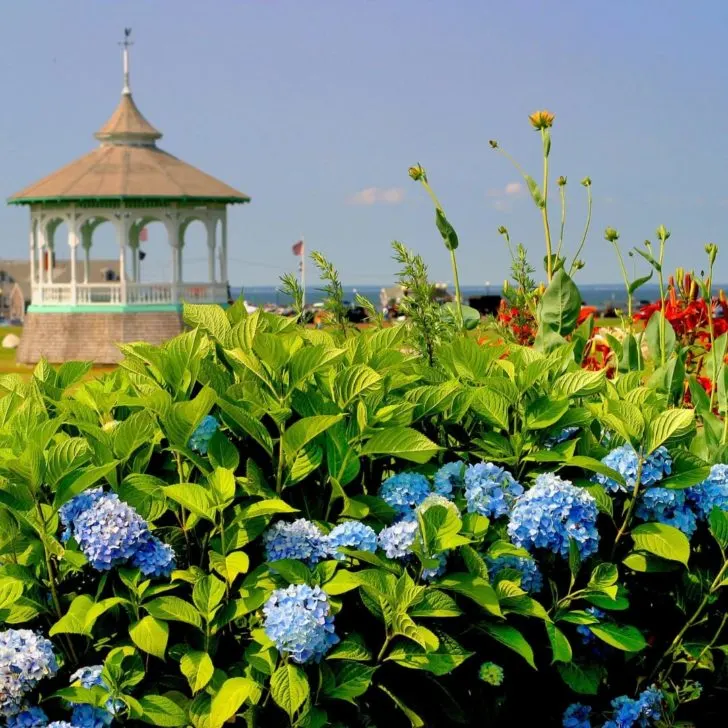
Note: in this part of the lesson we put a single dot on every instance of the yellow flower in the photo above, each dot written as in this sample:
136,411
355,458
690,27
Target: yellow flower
541,120
611,235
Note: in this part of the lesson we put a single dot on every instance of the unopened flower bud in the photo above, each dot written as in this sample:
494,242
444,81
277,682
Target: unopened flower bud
561,181
502,230
541,120
506,286
586,181
662,233
687,283
722,298
493,144
712,250
417,173
611,235
679,276
541,289
579,264
694,288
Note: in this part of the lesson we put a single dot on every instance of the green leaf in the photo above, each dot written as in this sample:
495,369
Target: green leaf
475,588
545,412
311,359
150,635
652,337
582,679
719,526
412,717
664,541
192,497
449,236
352,680
173,608
65,457
267,507
353,381
162,711
671,423
687,470
581,383
623,637
231,566
560,306
247,423
228,699
442,661
197,667
222,453
603,575
289,688
490,405
511,638
435,603
81,481
222,485
207,594
559,644
351,648
401,442
305,430
647,563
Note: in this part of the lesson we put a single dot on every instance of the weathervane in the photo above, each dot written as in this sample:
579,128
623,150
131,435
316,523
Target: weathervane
125,44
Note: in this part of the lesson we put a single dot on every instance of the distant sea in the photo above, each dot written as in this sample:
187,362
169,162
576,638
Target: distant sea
598,294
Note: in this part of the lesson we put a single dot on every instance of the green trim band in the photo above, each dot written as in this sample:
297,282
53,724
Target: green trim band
109,308
135,202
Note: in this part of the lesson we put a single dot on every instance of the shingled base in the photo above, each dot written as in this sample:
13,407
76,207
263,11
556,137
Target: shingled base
61,337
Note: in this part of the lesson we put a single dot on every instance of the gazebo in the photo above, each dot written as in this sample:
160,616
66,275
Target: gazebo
128,182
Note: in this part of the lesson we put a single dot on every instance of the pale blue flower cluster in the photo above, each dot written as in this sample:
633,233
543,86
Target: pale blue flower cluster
404,492
298,620
61,724
397,539
87,716
551,513
625,460
69,511
449,477
566,434
353,535
433,572
711,493
200,439
667,506
302,540
643,711
490,490
111,533
34,717
531,577
25,659
577,716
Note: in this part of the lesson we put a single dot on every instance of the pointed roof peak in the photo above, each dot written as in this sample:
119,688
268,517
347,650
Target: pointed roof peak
127,124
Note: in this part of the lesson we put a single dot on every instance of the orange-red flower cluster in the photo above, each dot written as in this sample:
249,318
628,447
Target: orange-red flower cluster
519,322
599,356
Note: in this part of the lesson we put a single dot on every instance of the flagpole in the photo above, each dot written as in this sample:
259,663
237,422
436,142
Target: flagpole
303,271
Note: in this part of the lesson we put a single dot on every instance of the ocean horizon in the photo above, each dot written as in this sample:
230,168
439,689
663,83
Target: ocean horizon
593,294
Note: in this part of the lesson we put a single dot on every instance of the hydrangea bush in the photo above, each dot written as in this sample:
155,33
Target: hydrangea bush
398,526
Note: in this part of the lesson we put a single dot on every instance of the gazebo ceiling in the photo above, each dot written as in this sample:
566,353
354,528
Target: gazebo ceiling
128,166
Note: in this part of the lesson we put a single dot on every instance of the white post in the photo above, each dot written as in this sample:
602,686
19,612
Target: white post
211,224
32,253
86,238
173,235
41,253
73,243
123,233
224,250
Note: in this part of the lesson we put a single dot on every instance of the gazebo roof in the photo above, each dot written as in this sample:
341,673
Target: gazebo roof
128,166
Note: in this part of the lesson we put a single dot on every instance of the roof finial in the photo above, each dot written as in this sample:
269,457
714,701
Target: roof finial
125,44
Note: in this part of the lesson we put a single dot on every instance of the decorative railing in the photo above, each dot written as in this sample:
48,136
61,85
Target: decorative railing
129,294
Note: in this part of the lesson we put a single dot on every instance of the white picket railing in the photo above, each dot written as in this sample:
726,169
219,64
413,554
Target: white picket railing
131,294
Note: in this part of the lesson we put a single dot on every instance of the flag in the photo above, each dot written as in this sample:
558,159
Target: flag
298,248
143,235
142,255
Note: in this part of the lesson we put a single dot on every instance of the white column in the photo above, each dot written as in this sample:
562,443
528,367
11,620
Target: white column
123,236
224,250
73,243
173,238
210,225
41,252
32,254
86,238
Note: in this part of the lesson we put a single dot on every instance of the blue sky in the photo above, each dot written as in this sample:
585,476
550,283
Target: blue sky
316,108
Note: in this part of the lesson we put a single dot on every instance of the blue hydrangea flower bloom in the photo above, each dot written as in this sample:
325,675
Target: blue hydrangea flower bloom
397,539
298,620
577,716
86,716
490,490
33,717
200,439
643,711
449,477
404,492
61,724
25,659
302,540
154,557
109,532
566,434
624,460
587,636
68,512
667,506
711,493
439,570
552,512
531,577
88,676
352,535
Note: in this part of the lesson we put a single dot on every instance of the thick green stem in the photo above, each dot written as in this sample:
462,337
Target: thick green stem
387,640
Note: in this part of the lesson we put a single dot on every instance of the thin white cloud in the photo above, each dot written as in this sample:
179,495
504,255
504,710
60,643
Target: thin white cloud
514,189
377,195
502,199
